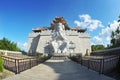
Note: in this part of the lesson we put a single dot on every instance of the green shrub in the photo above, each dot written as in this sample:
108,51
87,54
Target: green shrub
1,65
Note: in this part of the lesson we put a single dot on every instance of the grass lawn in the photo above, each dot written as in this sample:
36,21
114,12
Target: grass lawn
6,74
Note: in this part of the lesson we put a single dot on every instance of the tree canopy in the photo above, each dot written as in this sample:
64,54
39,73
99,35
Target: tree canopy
6,44
115,40
97,47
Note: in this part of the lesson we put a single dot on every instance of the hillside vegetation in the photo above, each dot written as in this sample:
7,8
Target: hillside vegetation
6,44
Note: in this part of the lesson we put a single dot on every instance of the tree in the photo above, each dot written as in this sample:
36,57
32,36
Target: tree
115,41
6,44
119,19
97,47
113,38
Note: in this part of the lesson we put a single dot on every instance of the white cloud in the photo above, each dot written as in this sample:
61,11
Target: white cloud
105,35
92,43
97,39
106,32
77,23
112,27
22,46
87,22
85,17
25,44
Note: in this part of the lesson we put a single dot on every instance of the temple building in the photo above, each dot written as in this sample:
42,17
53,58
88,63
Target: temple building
59,39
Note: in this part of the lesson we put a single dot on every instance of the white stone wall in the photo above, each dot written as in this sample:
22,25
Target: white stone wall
42,43
81,43
81,40
33,42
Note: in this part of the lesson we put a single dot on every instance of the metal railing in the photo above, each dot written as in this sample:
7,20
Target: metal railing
18,65
100,64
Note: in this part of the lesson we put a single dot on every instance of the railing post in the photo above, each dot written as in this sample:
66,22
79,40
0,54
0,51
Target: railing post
37,61
100,70
101,66
88,63
81,61
30,63
16,69
18,65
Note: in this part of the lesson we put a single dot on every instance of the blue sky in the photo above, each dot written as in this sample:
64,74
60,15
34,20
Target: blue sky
18,17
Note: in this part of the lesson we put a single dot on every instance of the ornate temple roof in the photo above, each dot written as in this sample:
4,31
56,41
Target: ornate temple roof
39,29
53,24
79,29
61,20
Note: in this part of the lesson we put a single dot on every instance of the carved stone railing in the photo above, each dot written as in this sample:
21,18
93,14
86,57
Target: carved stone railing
6,52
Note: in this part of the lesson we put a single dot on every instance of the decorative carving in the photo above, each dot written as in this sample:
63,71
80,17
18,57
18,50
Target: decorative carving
59,20
59,42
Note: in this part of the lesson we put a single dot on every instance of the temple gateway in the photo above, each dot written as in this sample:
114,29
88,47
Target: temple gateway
59,38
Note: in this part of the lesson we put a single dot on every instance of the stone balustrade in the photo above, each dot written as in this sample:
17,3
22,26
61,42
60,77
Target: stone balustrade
6,52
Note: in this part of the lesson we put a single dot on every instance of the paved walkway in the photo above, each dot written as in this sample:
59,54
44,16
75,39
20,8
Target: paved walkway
59,70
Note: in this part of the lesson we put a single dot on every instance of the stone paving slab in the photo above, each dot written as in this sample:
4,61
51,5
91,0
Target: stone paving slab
59,70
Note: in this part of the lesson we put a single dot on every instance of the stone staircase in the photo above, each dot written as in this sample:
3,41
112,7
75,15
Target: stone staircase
59,58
